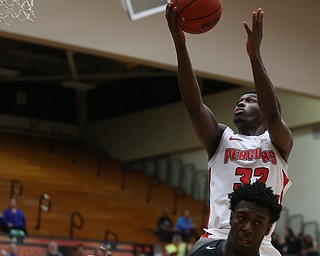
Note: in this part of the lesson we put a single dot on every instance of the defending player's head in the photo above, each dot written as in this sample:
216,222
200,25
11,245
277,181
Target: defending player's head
257,193
254,208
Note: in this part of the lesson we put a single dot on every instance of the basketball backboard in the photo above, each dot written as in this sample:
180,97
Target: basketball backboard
138,9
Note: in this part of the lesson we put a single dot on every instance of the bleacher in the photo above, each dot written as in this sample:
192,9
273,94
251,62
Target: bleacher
71,193
195,182
298,225
37,245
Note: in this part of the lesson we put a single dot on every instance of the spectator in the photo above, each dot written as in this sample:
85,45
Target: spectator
102,250
53,249
276,242
3,252
13,218
79,250
186,227
293,245
13,250
165,227
98,252
177,247
309,247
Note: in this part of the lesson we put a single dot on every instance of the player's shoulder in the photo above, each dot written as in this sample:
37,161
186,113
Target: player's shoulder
213,248
225,130
223,127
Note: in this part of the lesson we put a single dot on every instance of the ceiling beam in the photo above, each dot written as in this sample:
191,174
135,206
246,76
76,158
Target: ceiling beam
99,76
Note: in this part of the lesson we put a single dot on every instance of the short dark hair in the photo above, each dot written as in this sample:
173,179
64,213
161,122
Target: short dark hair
249,92
257,193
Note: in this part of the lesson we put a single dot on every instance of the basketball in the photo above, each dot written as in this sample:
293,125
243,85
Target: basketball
200,15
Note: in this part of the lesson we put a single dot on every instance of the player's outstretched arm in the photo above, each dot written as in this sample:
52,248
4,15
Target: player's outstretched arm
267,96
202,118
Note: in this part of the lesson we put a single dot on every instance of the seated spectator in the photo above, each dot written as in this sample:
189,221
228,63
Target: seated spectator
276,242
13,250
98,252
177,247
53,249
79,250
186,227
165,227
292,244
3,252
310,248
14,219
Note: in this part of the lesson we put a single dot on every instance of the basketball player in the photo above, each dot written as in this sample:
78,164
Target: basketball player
254,208
261,147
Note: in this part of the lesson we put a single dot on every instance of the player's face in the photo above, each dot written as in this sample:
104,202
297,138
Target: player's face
247,110
249,224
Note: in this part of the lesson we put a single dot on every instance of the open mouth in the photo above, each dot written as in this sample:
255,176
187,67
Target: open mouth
244,242
238,111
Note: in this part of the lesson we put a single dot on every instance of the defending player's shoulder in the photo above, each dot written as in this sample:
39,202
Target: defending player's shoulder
213,248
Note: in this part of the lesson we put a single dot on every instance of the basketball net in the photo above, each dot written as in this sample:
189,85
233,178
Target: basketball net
11,10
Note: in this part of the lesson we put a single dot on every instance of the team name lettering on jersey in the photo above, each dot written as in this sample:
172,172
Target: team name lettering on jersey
234,154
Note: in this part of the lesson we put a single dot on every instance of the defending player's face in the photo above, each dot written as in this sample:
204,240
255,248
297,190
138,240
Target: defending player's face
249,224
247,110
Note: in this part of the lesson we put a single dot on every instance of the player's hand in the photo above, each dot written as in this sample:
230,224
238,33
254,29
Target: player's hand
175,23
254,35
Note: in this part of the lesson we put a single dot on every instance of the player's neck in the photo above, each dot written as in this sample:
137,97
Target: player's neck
252,131
230,250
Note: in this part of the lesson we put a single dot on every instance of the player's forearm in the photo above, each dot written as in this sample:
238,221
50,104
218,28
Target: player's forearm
266,92
188,84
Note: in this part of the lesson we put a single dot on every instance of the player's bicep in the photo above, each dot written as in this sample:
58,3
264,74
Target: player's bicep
281,138
207,129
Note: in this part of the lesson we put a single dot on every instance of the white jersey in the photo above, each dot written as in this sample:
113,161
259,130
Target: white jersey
242,159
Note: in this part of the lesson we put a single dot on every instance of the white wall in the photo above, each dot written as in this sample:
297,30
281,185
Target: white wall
304,172
167,129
